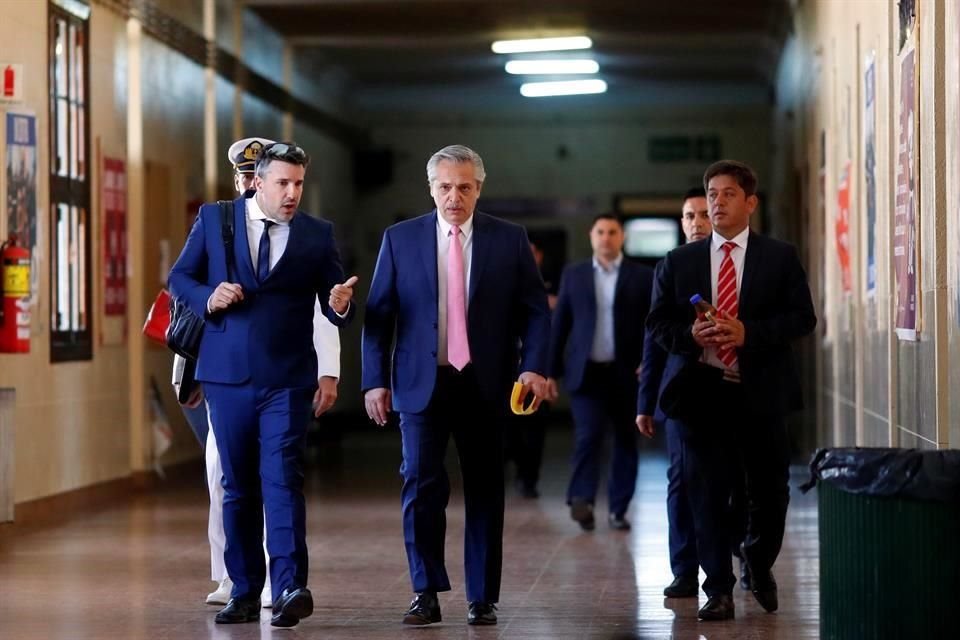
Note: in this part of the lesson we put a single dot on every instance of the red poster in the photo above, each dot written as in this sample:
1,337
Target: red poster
842,228
114,237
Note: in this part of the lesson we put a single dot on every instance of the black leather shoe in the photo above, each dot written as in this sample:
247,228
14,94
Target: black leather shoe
682,587
762,584
239,610
744,575
424,609
719,607
292,606
618,523
482,613
582,512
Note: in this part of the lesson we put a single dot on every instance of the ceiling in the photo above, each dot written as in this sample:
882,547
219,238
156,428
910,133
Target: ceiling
432,47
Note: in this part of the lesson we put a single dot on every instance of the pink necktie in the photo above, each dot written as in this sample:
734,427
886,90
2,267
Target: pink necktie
727,299
458,350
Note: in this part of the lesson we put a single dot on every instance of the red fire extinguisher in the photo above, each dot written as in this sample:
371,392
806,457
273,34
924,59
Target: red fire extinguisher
15,310
8,82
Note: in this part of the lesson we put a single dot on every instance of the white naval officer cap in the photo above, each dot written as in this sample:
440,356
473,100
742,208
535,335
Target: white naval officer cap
243,153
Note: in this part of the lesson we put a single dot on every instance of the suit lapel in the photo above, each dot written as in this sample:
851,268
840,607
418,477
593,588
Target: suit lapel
623,280
589,285
751,262
428,252
479,254
241,244
705,279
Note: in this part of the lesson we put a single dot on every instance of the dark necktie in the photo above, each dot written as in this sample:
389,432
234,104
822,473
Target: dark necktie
263,253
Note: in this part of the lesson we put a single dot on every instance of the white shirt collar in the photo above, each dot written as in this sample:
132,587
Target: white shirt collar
254,212
614,266
740,240
445,226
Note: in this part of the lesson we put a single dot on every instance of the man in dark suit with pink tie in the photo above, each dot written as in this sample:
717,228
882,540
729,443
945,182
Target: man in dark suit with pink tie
730,379
456,313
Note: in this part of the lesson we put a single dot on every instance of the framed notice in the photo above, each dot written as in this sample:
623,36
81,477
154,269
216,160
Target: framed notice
21,179
905,224
114,237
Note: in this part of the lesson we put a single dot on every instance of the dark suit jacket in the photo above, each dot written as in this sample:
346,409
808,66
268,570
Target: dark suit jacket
267,338
508,321
774,305
575,319
651,370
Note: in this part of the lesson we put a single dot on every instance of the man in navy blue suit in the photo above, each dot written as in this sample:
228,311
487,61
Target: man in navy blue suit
258,368
730,379
695,221
459,293
596,345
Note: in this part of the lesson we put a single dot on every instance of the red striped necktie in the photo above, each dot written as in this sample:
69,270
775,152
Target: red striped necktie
727,299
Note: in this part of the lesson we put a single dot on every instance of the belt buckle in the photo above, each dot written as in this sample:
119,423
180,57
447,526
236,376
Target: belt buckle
729,375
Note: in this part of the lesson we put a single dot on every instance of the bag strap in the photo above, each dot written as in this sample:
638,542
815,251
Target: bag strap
226,232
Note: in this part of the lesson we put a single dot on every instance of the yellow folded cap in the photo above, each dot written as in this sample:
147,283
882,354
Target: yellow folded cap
518,398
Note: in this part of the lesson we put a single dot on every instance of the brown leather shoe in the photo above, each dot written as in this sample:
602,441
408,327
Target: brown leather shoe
718,607
424,609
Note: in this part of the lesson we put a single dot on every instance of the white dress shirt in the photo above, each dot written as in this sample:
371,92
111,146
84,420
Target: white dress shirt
716,259
605,288
279,234
443,248
326,342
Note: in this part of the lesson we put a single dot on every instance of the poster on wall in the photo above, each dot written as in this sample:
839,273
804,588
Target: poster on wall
21,175
905,223
114,237
842,229
869,169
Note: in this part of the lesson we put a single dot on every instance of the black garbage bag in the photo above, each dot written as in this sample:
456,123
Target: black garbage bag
906,473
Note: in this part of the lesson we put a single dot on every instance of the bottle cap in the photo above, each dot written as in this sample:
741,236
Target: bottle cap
695,298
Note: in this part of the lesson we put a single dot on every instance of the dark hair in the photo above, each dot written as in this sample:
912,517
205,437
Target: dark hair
739,171
287,152
605,216
695,192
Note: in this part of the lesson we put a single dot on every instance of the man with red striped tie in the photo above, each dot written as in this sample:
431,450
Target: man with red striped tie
739,359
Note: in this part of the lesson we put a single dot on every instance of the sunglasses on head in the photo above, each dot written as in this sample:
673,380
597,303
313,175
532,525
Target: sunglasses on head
278,149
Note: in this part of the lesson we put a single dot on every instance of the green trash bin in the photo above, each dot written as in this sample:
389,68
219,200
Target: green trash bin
889,543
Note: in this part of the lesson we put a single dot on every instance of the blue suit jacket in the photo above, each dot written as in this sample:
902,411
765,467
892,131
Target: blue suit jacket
774,305
575,319
267,338
508,321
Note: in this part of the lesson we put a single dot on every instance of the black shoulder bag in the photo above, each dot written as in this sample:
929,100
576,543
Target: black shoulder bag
186,327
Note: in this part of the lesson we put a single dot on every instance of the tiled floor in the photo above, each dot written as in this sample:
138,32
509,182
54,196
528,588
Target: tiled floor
140,570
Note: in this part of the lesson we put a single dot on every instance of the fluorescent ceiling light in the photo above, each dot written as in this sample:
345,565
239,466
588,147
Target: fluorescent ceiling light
564,88
547,67
542,44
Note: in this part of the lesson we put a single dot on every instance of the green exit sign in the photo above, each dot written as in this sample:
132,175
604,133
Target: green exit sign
683,149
